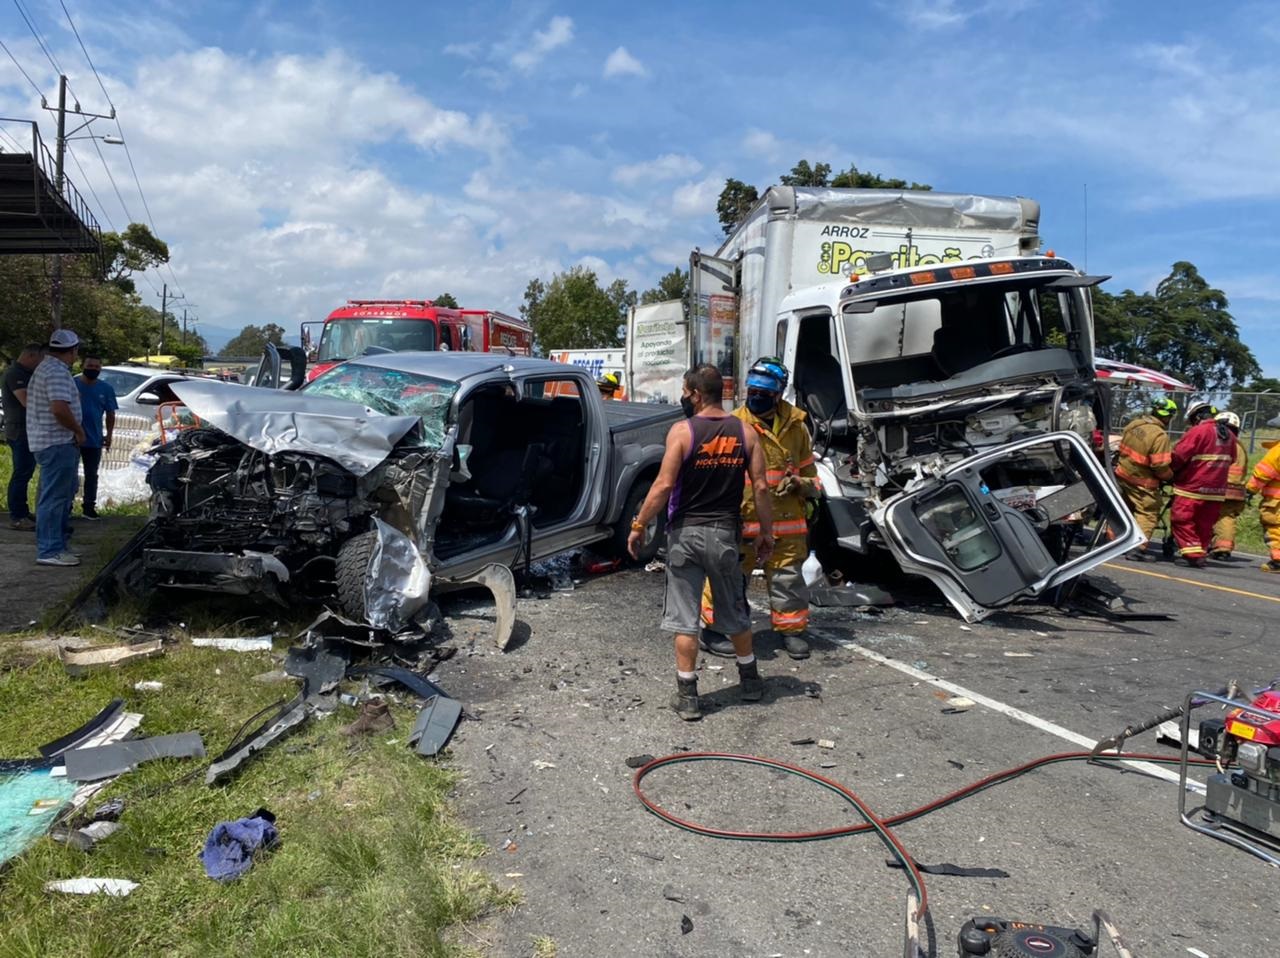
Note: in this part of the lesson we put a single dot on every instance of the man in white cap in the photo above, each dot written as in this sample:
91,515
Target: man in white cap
54,434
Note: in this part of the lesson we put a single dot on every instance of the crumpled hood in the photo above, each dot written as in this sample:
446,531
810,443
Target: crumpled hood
276,420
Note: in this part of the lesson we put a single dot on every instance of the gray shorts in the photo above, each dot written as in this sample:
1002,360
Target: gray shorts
698,554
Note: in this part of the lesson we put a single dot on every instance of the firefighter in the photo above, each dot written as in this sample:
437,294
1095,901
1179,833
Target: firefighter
609,384
793,479
1265,482
1143,462
1201,463
1224,530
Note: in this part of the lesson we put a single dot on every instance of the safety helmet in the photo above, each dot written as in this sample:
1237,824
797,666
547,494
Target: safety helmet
768,373
1201,410
1164,407
609,381
1230,418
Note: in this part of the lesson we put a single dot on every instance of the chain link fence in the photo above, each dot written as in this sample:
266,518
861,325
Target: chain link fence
1257,411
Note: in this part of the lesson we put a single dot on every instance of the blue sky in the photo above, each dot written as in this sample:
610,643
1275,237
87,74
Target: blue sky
296,154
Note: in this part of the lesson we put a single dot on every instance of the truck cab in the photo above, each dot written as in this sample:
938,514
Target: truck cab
364,327
953,409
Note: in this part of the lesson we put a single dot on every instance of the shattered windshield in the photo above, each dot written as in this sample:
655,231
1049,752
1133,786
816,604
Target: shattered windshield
933,335
348,338
392,392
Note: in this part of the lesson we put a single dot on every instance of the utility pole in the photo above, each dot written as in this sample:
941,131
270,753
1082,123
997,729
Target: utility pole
59,157
59,152
184,326
164,305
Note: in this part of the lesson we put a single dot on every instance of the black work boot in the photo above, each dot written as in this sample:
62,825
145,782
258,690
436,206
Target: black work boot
796,644
685,701
716,643
750,684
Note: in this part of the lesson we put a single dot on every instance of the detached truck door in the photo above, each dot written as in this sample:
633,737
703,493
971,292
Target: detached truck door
714,316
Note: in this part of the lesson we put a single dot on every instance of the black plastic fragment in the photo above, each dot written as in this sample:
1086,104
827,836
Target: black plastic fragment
85,731
639,761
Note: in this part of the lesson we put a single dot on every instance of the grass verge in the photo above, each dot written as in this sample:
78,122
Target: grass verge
371,861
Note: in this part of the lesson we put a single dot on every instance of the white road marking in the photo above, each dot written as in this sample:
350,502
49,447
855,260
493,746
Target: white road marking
1017,714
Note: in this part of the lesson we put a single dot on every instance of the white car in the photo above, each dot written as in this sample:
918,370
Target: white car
140,389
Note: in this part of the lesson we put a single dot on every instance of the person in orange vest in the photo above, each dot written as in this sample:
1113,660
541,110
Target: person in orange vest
1201,464
1144,462
1224,530
793,480
1265,482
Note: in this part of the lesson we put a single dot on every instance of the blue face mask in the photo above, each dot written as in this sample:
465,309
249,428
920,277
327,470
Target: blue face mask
761,404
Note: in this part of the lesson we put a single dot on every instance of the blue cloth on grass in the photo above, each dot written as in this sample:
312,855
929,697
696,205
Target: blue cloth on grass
229,849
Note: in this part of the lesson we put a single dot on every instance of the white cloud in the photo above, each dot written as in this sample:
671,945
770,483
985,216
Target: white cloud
579,90
941,14
621,63
467,51
761,143
669,166
697,199
558,33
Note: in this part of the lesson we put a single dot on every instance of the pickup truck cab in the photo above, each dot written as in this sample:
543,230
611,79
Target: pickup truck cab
395,473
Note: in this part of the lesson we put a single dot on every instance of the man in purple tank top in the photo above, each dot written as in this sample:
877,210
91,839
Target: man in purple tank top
700,485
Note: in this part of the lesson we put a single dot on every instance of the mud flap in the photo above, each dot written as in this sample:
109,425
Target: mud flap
436,722
500,582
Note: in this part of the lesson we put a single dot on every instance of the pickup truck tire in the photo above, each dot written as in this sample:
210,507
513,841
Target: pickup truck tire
654,541
352,571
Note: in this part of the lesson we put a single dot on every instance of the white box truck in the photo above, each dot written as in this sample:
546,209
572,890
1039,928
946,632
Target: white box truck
946,368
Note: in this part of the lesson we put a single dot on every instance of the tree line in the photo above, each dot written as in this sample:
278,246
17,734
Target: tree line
1183,327
100,301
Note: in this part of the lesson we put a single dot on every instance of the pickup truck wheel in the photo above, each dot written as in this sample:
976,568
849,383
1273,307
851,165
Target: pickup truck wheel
655,535
351,572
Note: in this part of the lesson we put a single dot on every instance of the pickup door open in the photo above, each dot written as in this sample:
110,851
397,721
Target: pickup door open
1009,523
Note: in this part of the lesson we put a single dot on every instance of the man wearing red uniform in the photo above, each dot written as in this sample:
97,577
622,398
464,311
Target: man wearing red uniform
1201,463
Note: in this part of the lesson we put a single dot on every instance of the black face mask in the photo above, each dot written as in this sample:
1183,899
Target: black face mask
686,406
91,374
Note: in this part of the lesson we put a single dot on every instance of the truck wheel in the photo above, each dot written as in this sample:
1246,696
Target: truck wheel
655,535
351,571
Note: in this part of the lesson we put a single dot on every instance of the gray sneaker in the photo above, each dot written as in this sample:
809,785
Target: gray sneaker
62,558
796,644
685,701
750,684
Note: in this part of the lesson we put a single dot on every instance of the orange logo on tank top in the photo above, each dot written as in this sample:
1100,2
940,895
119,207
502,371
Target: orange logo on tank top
720,451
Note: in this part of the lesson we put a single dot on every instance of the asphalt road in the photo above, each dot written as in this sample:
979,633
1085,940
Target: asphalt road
555,717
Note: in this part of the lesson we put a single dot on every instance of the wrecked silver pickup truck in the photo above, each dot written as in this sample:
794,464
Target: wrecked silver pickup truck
393,474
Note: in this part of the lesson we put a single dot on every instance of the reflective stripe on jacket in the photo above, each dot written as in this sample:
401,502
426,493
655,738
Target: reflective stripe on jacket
1266,475
1202,461
787,452
1145,458
1236,476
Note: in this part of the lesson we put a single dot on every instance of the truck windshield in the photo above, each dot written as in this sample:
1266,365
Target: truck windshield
933,335
349,338
393,392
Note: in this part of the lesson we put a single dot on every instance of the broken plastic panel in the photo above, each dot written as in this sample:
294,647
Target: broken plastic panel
398,581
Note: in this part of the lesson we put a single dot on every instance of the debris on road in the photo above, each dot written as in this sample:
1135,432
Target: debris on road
375,716
436,722
826,743
686,924
280,719
108,761
230,848
89,660
115,887
259,643
639,761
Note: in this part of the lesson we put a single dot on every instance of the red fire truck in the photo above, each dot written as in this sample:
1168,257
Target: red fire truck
397,325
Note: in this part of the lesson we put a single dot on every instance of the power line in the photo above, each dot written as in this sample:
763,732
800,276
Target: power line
106,167
94,193
87,58
39,39
127,152
21,70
